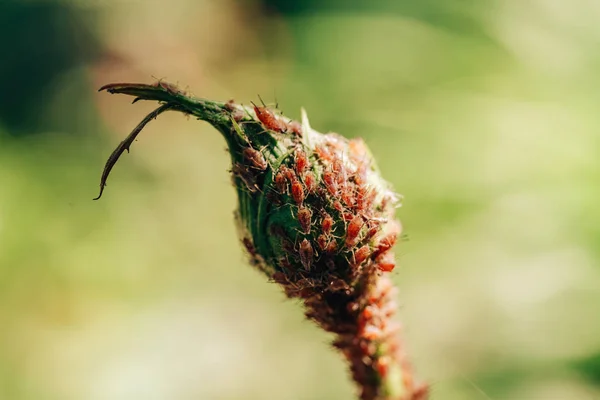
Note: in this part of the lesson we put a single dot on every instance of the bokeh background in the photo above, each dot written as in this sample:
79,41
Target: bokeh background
483,113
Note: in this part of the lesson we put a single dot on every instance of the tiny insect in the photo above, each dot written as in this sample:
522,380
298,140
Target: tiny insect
295,127
386,262
288,173
326,224
382,366
310,182
304,218
322,241
361,255
297,192
421,392
387,242
347,196
353,231
371,333
331,247
338,284
306,254
330,182
256,158
301,161
281,182
169,87
241,172
323,153
338,206
268,119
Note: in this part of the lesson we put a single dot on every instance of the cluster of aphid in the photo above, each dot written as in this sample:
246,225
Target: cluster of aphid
333,243
317,218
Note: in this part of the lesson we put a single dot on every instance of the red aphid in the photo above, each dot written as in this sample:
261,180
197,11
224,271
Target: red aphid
348,216
358,149
420,392
249,246
367,313
331,247
323,153
326,224
362,254
301,161
338,166
330,182
338,284
386,262
382,366
297,192
310,182
288,173
371,333
241,171
281,182
255,157
338,206
322,241
306,254
387,242
304,218
295,127
372,228
353,231
347,196
269,120
280,278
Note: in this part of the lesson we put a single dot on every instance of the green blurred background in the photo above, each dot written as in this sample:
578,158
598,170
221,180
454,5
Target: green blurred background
483,114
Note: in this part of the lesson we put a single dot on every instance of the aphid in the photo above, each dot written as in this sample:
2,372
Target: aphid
347,196
331,247
249,246
371,333
385,262
310,182
297,192
273,198
288,173
236,113
382,365
169,87
372,228
348,216
353,230
337,165
306,254
361,254
281,182
322,241
301,161
256,158
245,176
326,223
421,392
295,127
304,216
387,242
280,278
338,284
330,182
358,149
338,206
323,153
367,313
268,119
